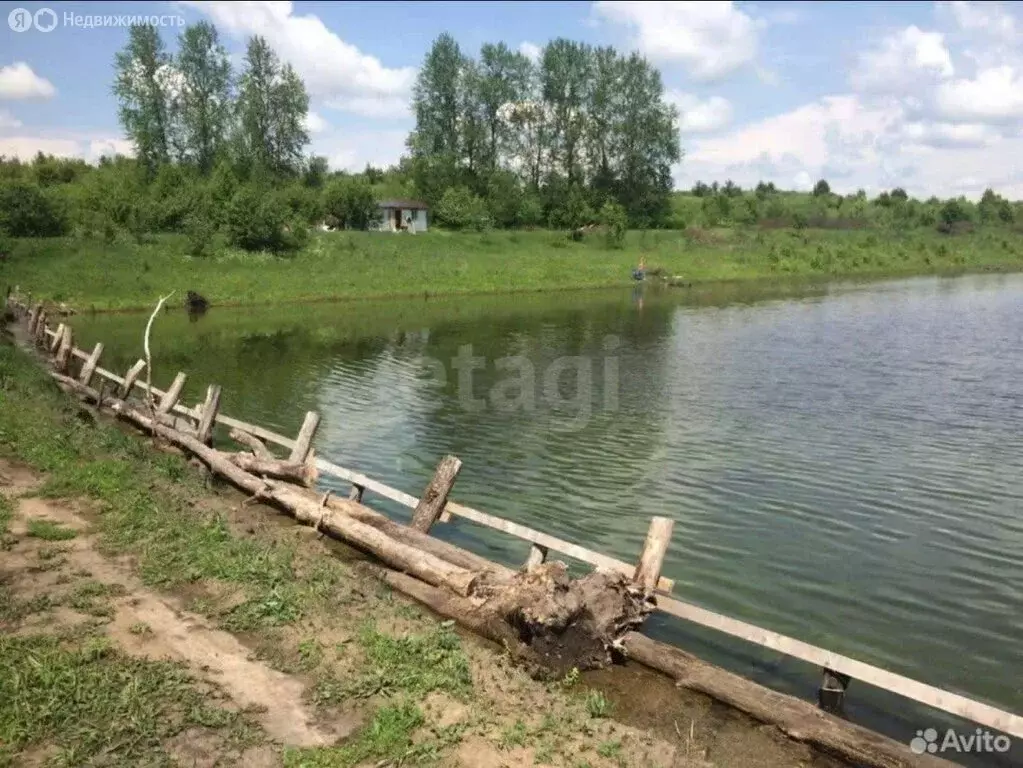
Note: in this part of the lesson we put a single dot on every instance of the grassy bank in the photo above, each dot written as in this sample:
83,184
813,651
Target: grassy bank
114,552
91,274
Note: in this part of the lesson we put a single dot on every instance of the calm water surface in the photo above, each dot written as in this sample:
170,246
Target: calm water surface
844,463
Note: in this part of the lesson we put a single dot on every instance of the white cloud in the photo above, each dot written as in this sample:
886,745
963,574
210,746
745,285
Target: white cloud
333,70
350,151
988,18
711,38
314,123
947,135
995,95
18,81
531,51
89,148
698,115
7,120
903,61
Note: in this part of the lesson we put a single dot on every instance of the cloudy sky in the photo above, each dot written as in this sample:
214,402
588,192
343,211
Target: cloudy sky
928,96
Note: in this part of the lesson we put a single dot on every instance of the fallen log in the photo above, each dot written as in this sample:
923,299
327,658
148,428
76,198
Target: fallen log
798,719
279,469
253,443
567,622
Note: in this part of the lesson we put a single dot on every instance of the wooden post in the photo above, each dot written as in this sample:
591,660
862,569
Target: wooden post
305,438
356,493
831,694
55,342
436,494
209,414
537,555
658,537
40,333
64,351
131,377
172,394
89,367
32,315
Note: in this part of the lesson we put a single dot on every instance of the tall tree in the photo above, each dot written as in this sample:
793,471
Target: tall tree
503,79
205,99
565,73
142,86
435,100
272,107
603,142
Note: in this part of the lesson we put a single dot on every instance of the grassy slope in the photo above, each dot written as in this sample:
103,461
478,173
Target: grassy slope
92,274
77,697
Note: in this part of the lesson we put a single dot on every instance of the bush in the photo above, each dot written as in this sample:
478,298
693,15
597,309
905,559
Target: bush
256,221
613,217
459,208
200,230
28,211
348,203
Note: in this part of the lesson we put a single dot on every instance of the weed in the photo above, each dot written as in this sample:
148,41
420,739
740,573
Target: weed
514,735
598,705
140,628
388,738
49,530
310,653
611,749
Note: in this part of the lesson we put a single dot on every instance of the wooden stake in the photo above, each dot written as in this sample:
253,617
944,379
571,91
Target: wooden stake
432,502
831,694
356,493
131,377
32,316
64,351
89,367
305,437
40,333
658,537
209,414
55,341
537,555
172,394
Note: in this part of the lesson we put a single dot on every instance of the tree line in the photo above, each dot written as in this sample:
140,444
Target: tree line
504,139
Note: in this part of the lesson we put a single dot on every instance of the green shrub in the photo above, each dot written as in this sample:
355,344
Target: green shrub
459,208
614,219
256,221
200,230
349,203
26,210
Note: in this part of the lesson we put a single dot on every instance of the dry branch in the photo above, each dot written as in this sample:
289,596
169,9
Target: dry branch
253,443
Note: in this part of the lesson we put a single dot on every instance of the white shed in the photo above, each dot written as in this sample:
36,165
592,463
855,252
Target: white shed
402,215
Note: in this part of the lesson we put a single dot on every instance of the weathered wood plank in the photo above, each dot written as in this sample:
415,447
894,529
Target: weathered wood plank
300,451
170,397
64,351
57,335
537,555
131,377
658,537
89,368
209,414
946,701
432,502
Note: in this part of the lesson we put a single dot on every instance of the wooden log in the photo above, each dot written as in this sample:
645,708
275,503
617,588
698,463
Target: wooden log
64,351
89,367
432,502
424,566
279,469
356,493
131,377
209,414
658,537
304,441
170,397
537,556
40,331
798,719
54,343
253,443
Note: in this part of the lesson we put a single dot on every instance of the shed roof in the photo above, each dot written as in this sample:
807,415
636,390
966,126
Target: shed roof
402,203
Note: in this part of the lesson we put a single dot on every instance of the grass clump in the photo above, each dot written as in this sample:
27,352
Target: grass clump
598,705
91,702
49,530
388,738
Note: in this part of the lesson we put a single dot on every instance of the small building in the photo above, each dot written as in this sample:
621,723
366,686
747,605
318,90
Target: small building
402,215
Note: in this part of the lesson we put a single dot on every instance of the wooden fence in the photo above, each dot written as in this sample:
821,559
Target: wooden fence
837,670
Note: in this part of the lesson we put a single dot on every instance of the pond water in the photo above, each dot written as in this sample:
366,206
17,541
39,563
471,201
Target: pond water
844,462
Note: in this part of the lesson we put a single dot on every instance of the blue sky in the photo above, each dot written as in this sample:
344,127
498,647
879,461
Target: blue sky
928,96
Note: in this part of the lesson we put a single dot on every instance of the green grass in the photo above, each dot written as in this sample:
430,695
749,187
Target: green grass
90,274
49,530
92,703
